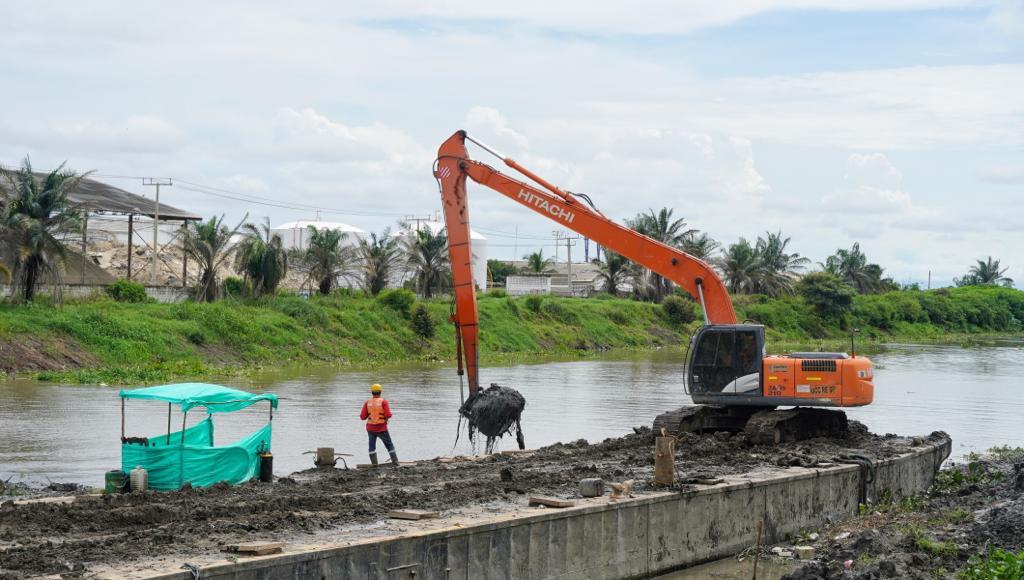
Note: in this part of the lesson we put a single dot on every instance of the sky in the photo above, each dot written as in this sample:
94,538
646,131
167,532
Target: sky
898,124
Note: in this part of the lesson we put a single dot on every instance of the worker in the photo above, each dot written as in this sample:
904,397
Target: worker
376,413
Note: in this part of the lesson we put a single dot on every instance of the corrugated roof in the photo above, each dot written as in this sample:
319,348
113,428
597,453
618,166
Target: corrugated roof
97,196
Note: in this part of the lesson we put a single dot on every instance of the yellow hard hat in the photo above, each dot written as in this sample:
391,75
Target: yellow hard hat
375,388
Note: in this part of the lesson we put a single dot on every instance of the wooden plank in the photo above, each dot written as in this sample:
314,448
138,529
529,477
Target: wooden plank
412,514
256,548
554,502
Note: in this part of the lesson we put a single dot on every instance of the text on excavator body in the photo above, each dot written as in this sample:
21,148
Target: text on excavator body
544,205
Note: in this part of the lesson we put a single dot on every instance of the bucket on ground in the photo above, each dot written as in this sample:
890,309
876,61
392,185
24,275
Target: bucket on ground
115,481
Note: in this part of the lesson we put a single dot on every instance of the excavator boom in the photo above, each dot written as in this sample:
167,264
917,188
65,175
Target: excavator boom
454,166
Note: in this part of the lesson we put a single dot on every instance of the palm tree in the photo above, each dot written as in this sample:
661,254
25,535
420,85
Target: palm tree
37,218
852,267
426,254
740,266
328,258
536,263
988,272
672,232
613,270
261,258
208,244
777,268
380,256
702,247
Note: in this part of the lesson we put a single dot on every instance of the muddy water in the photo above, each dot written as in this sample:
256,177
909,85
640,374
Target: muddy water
70,433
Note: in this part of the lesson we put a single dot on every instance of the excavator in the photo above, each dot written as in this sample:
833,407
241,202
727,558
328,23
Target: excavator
734,384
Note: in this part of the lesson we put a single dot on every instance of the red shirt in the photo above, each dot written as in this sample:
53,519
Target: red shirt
364,415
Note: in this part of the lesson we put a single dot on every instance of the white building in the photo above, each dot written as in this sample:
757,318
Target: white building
295,235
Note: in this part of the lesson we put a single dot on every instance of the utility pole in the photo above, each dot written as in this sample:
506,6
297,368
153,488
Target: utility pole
157,182
570,241
929,279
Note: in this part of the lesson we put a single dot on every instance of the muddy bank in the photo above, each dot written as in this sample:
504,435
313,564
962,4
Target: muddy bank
973,508
72,538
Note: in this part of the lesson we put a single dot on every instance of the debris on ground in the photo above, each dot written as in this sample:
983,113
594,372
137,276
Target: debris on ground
970,524
494,411
43,538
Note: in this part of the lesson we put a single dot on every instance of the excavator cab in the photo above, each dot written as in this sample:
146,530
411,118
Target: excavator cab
725,359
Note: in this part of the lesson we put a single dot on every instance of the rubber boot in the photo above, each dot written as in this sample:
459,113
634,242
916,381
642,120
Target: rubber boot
373,459
394,458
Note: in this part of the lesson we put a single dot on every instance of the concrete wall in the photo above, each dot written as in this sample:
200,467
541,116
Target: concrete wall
634,538
170,294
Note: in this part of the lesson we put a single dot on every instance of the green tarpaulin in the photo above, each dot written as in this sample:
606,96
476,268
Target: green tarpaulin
173,459
215,398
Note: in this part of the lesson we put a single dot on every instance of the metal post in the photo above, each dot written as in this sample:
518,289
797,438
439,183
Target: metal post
156,231
122,419
156,221
184,416
85,230
168,423
184,258
131,234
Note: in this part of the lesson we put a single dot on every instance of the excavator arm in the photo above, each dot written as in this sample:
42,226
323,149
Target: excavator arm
453,167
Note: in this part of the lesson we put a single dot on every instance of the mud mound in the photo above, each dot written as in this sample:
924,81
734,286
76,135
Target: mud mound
55,538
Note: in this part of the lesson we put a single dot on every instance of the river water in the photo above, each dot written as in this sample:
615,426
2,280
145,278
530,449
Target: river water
71,433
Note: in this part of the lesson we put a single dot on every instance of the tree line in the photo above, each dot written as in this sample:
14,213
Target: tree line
37,217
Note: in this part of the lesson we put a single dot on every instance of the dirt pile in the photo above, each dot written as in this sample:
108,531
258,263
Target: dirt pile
69,538
973,507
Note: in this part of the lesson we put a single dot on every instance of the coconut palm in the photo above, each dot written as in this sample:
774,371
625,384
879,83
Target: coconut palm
701,246
37,218
740,267
426,255
536,263
328,258
208,244
672,232
613,270
853,268
380,256
261,258
988,272
778,269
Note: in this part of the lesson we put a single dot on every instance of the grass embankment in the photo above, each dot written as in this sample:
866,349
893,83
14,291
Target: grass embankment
122,343
125,343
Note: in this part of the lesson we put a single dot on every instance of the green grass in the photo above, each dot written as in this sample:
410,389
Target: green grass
931,546
147,342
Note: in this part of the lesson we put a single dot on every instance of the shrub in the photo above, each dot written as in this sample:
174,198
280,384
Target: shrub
996,564
559,312
618,317
422,322
127,291
196,337
534,302
830,296
233,286
678,310
496,293
512,306
398,299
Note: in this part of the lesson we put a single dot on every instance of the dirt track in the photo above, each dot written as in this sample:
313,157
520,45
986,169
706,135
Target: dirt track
71,538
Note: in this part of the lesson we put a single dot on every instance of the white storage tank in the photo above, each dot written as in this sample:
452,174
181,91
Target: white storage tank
295,235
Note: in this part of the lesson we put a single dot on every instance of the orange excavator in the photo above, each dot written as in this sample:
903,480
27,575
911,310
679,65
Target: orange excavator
736,386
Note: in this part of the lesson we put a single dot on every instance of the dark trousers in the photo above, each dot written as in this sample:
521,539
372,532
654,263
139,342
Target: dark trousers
383,436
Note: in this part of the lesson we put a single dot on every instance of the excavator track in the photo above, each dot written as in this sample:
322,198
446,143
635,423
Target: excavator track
762,426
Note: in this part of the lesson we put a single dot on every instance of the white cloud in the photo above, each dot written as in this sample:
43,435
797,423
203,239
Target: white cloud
489,121
135,134
1002,174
